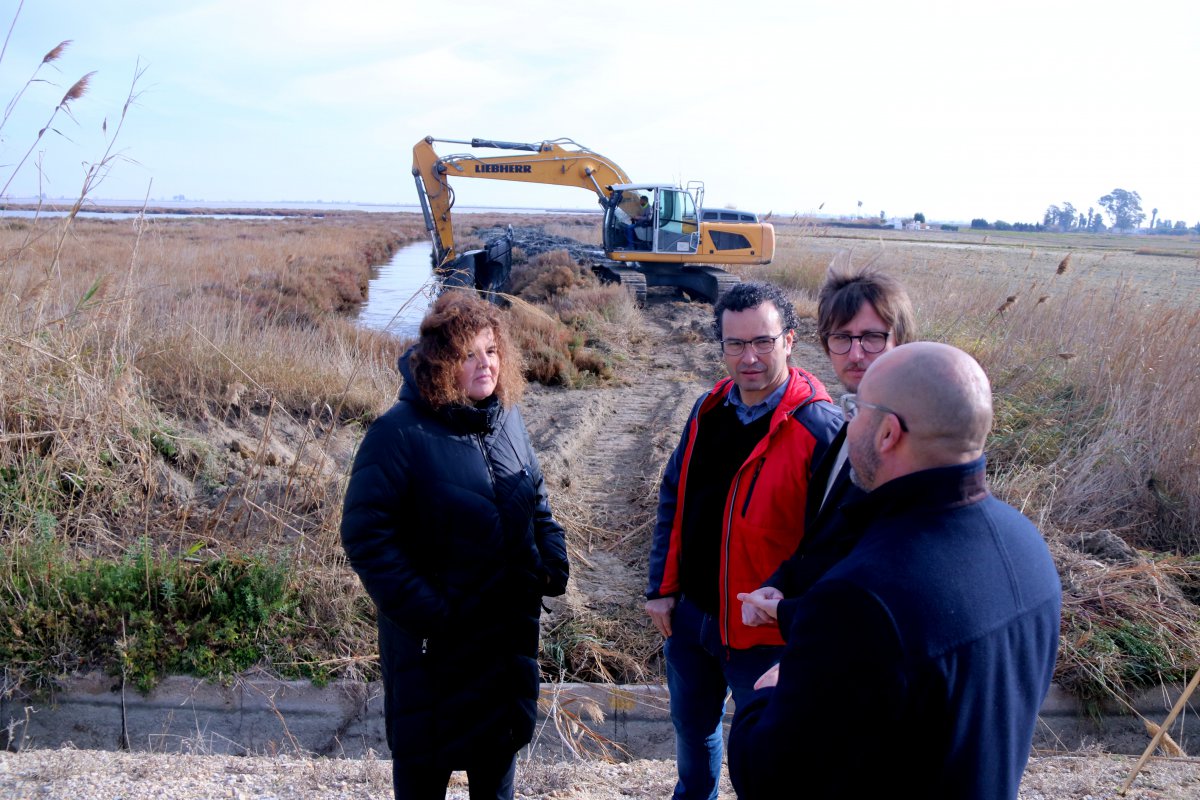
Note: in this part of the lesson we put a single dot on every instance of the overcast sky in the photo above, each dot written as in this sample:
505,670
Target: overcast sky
954,109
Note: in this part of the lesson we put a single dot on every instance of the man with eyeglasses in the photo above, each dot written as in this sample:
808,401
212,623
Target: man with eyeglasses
862,313
939,629
731,508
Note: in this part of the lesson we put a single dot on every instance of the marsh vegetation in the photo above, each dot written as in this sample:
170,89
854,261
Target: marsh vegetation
181,399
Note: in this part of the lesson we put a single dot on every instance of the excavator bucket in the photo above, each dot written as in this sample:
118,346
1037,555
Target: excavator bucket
484,270
459,273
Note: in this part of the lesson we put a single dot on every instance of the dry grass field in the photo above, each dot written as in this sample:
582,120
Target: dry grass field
1152,269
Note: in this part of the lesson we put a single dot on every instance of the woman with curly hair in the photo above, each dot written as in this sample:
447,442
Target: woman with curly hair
447,524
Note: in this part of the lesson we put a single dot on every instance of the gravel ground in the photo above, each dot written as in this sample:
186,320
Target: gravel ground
99,775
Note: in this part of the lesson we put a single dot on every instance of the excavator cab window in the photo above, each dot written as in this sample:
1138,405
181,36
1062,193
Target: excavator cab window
658,220
629,222
678,231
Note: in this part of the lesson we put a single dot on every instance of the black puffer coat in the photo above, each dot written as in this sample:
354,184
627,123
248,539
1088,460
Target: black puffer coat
447,524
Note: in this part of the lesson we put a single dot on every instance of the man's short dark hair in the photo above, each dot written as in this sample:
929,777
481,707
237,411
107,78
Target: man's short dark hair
845,291
752,294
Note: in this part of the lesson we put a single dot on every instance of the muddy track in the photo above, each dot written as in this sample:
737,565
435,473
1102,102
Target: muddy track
602,450
603,446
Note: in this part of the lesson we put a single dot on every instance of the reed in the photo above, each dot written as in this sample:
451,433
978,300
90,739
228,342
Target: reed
1086,384
569,327
131,353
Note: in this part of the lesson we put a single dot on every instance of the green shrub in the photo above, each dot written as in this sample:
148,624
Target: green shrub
147,615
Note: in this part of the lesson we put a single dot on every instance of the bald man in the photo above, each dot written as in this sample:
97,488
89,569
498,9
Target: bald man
936,636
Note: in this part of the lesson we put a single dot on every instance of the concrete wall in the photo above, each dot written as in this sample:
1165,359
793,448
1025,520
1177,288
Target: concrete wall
346,719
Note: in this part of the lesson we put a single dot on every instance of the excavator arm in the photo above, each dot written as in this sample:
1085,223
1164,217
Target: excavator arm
560,162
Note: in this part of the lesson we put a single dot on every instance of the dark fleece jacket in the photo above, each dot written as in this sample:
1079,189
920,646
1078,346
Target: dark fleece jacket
938,631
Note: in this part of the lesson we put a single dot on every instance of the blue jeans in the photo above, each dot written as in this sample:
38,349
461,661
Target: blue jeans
700,674
631,240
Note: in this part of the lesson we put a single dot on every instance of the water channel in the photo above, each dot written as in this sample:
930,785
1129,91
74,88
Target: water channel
400,291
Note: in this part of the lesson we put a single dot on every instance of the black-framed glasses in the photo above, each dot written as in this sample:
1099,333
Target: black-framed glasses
761,344
872,342
850,404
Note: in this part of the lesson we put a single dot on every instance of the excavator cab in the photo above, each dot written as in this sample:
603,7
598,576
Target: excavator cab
651,219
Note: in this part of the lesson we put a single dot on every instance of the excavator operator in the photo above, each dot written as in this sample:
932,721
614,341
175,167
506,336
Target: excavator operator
644,219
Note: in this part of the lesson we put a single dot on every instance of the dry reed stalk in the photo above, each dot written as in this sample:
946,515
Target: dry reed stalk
199,287
54,54
1160,735
1077,376
1169,746
77,90
573,718
56,51
113,451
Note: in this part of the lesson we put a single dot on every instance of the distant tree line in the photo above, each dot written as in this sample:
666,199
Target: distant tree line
981,224
1123,208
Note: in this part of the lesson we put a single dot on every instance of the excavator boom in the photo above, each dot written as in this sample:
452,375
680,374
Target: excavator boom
559,162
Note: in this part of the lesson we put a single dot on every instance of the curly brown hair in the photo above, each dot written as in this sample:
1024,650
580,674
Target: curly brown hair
447,332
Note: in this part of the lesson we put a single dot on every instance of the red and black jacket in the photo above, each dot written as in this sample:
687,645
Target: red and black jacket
764,509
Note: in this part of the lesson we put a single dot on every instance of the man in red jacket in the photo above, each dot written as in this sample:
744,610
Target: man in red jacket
731,508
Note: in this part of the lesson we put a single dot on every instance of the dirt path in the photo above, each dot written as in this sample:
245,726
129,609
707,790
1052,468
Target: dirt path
604,445
602,450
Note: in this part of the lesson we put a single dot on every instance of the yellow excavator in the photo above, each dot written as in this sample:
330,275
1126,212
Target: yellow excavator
653,233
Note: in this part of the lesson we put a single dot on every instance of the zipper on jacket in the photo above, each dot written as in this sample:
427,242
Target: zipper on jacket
424,646
487,462
725,572
753,481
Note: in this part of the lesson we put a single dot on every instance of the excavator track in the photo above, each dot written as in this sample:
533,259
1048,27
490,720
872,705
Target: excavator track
629,277
697,280
713,281
700,281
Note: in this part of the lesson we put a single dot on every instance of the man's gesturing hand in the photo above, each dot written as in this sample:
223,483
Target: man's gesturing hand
759,606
